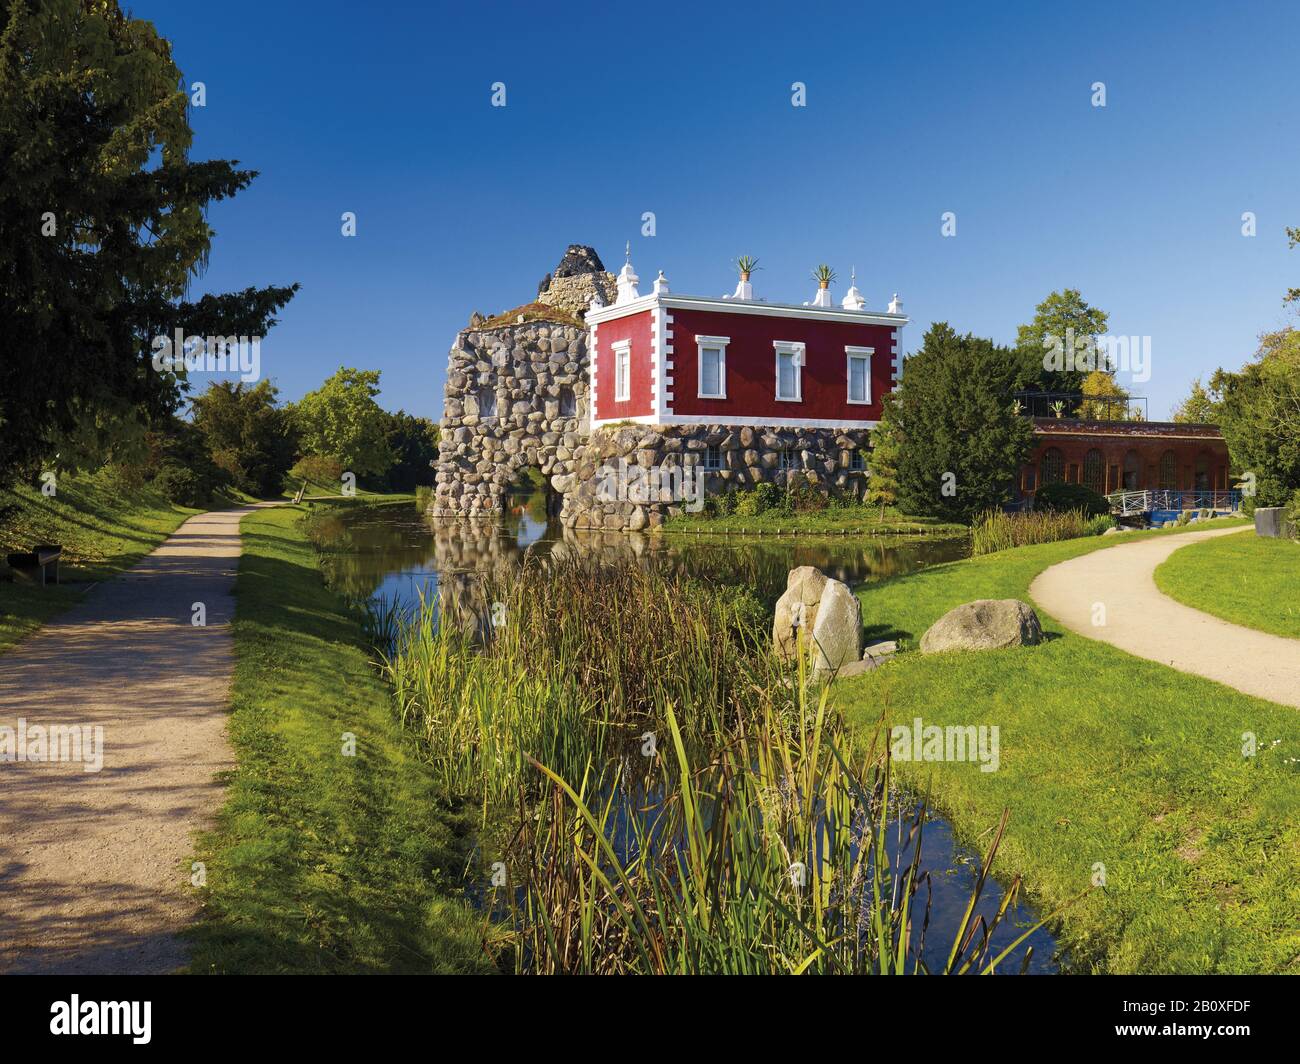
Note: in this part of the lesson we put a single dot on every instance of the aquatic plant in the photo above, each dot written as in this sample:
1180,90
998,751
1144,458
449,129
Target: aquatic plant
996,530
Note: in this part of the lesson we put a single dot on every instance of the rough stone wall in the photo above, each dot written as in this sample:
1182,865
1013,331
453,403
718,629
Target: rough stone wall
749,456
573,294
516,396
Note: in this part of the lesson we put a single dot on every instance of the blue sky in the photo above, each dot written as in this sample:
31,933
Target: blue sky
685,110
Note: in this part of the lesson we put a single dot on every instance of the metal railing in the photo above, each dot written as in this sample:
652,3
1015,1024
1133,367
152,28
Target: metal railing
1132,503
1076,404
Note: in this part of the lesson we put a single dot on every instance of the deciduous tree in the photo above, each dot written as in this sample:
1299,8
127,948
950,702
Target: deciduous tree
341,419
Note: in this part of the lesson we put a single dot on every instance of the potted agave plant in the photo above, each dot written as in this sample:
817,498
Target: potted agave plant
745,265
824,276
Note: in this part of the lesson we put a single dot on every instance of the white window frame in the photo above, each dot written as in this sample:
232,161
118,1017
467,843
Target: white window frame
622,349
720,342
705,464
798,349
850,353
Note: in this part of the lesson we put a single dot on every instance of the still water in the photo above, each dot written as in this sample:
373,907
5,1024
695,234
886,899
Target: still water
392,552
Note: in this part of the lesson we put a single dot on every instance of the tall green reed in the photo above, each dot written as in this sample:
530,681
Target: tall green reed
566,660
996,530
666,795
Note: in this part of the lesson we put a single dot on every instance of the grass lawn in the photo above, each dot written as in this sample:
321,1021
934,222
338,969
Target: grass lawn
855,520
1246,579
322,862
1106,759
105,527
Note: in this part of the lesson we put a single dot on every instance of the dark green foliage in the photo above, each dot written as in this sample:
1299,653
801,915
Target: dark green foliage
1259,415
414,442
179,485
882,462
1061,497
247,435
963,443
102,228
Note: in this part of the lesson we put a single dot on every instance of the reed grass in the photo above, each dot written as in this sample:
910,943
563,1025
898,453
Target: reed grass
996,530
566,660
770,857
664,794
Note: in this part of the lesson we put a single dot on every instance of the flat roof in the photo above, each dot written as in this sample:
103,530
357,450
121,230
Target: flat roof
746,306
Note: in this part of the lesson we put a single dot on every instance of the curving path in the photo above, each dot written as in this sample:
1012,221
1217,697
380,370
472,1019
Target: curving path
94,872
1142,620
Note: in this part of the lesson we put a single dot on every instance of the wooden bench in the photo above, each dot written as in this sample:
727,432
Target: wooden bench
42,557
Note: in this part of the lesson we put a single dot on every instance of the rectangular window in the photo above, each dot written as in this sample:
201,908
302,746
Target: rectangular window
713,458
712,366
859,374
789,371
622,371
856,462
788,460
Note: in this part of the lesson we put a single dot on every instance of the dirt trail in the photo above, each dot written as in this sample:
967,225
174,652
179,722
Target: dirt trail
93,870
1142,620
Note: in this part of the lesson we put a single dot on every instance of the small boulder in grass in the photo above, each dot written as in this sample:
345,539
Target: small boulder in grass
986,624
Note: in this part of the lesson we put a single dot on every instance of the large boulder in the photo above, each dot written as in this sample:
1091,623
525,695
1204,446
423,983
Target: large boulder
829,615
986,624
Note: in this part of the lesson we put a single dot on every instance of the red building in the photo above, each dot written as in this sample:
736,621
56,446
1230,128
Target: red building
665,359
1111,456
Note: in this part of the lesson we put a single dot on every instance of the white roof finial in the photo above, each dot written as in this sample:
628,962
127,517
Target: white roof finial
853,298
895,305
627,280
661,284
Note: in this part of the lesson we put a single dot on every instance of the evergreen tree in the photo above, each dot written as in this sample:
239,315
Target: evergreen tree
102,228
882,462
963,441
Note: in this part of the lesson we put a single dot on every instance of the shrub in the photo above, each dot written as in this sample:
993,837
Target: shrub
805,498
181,486
761,498
1058,498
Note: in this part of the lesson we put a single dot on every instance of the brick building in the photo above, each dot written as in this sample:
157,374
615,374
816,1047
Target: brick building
1111,456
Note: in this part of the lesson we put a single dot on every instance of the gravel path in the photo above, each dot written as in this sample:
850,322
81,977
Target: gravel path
1142,620
94,866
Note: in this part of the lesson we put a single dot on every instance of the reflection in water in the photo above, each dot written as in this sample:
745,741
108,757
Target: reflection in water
393,552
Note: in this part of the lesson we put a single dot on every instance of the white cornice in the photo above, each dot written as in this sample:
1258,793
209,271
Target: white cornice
728,306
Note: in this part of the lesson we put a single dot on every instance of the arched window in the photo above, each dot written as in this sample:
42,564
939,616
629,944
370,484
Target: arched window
1168,471
1094,472
1132,471
1051,466
1202,482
